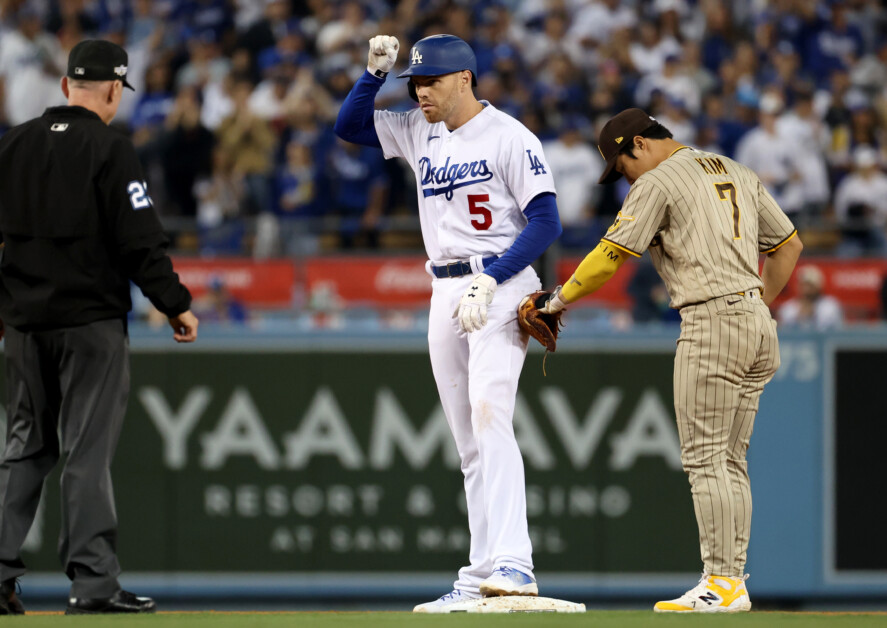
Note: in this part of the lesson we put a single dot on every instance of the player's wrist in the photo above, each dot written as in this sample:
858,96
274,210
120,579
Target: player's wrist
378,73
556,302
487,281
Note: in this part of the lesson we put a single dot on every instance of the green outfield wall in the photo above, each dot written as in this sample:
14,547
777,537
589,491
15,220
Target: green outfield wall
343,461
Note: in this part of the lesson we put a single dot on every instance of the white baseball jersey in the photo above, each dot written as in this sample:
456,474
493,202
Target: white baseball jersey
473,183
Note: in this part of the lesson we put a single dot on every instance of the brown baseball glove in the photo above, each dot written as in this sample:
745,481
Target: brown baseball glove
541,325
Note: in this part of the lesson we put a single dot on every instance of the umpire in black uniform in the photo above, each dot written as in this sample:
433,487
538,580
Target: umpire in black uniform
77,224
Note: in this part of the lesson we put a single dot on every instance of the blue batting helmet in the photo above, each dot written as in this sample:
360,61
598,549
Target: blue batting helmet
440,54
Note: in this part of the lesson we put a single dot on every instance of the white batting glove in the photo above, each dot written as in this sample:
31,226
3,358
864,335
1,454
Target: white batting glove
555,302
382,55
472,310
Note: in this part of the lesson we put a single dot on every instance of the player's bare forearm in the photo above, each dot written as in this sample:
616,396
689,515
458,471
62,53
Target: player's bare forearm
593,272
778,267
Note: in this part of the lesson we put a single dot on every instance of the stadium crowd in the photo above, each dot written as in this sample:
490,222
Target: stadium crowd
235,100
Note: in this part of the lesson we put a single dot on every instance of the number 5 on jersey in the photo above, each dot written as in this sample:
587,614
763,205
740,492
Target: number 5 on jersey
138,194
485,219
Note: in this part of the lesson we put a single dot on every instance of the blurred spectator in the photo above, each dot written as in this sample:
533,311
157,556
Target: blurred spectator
219,201
296,181
807,135
290,229
870,73
707,140
218,305
205,64
359,194
271,26
352,25
726,130
693,69
326,305
861,206
551,40
648,52
672,83
287,53
833,41
676,20
213,18
835,101
772,157
187,149
153,105
560,88
812,308
576,168
31,62
248,140
268,98
720,35
143,24
745,59
74,16
865,128
538,60
595,23
217,102
673,115
783,68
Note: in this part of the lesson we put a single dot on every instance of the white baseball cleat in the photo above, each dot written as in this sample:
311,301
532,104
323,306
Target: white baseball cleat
508,581
713,594
444,603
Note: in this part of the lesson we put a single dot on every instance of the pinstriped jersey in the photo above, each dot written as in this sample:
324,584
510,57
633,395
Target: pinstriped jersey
705,219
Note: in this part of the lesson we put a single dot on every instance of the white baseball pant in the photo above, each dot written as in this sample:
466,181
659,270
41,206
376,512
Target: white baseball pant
477,376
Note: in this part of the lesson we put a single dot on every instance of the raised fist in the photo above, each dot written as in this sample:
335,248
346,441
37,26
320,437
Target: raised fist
382,55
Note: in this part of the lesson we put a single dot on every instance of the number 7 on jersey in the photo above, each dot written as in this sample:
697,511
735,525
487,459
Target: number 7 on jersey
722,189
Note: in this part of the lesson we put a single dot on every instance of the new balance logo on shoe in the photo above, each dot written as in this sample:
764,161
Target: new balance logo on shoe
713,594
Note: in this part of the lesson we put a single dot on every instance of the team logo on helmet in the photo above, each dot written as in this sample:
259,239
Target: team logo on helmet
415,56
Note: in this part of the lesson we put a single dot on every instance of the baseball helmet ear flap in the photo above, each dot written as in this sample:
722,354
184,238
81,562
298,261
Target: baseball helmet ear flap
437,55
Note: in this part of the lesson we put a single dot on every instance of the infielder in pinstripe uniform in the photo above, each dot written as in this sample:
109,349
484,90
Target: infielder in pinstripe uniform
705,219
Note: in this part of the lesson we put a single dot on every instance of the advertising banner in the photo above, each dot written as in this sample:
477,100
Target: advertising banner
343,462
260,283
388,281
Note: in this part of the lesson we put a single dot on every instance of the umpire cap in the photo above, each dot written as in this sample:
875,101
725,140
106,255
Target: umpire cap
619,129
98,60
440,54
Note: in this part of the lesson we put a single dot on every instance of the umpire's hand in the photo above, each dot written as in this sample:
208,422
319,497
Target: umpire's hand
185,327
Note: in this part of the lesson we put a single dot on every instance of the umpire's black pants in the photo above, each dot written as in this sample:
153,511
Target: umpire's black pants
75,379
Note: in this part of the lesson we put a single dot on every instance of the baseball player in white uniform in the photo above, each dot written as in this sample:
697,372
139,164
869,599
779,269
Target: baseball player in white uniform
487,209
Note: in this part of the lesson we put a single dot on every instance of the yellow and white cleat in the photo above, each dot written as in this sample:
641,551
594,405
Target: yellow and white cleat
713,594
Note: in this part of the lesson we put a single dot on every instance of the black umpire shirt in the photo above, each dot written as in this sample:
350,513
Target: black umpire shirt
77,224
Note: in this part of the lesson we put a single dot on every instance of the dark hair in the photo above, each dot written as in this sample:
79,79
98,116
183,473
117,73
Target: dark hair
655,132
